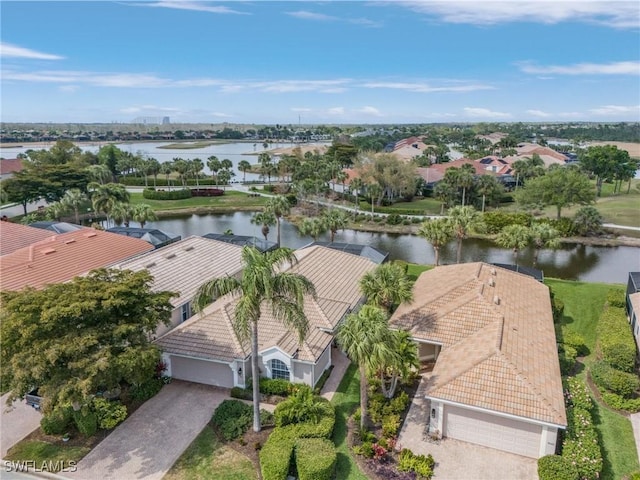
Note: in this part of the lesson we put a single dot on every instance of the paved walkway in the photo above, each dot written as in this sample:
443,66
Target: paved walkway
340,364
16,422
148,443
456,460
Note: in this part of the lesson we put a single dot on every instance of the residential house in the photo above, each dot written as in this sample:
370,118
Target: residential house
633,304
182,267
435,172
14,236
9,166
548,155
206,349
489,334
155,237
243,240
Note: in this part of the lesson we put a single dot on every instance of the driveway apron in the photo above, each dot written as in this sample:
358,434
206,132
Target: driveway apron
16,422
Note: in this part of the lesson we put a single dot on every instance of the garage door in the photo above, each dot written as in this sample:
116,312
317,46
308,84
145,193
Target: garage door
201,371
492,431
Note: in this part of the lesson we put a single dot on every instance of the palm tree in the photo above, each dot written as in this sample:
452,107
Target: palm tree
121,213
356,186
488,185
314,227
195,167
244,166
261,282
465,180
104,197
266,166
74,199
143,213
56,210
401,364
99,173
167,168
280,207
153,168
463,220
182,167
438,233
367,340
387,286
214,165
266,219
335,219
543,235
374,190
446,193
515,237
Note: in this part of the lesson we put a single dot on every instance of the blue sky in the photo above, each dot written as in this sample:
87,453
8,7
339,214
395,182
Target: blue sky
320,62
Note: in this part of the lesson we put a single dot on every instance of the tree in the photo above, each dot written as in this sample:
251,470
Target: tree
244,167
75,338
143,213
463,220
314,227
266,219
335,219
104,197
374,190
438,233
604,161
446,193
367,340
24,189
280,207
224,176
121,213
489,186
561,186
515,237
543,235
588,221
167,168
74,199
195,167
266,165
356,185
99,173
152,167
527,168
262,285
400,365
109,155
465,180
387,286
181,166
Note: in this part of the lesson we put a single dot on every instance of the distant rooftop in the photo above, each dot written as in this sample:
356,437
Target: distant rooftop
56,227
373,254
155,237
243,240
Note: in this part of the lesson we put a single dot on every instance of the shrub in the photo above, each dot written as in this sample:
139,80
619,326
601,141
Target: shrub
390,425
241,393
615,340
206,192
275,386
268,188
555,467
152,194
276,453
322,380
365,449
567,357
315,458
557,307
631,405
233,418
86,422
292,199
394,219
621,383
109,413
564,225
398,404
146,390
302,406
495,221
266,418
57,422
615,298
420,464
577,394
575,340
377,402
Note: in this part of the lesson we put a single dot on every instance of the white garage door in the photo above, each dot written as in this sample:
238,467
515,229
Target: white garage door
492,431
201,371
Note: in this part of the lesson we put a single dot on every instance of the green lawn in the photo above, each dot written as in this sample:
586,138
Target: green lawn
230,199
208,459
346,400
40,452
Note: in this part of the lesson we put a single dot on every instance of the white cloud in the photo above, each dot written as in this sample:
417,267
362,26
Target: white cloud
427,88
616,109
287,86
321,17
373,111
336,111
193,6
14,51
613,68
618,14
538,113
484,113
300,109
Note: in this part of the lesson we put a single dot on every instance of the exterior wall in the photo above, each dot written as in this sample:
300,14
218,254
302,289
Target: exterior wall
176,319
302,372
201,371
322,364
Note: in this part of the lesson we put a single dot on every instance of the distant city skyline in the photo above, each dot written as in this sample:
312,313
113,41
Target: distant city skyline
328,62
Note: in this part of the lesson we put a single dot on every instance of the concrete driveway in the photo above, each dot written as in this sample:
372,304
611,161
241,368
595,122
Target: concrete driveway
16,422
148,443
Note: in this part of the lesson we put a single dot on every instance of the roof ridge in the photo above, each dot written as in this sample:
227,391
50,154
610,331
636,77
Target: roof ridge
461,300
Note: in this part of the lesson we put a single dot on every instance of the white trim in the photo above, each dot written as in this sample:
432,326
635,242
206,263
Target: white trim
199,358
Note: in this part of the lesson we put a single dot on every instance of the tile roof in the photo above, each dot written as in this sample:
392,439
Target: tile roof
60,258
14,236
335,275
498,340
184,265
10,165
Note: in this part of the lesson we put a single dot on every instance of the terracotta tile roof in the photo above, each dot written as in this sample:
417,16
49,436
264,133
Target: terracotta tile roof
60,258
14,236
185,265
436,172
10,165
498,340
335,275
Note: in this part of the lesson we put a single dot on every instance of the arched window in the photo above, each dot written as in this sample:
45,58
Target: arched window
279,369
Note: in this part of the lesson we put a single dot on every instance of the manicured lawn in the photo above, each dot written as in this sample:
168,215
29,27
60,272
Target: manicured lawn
617,444
207,458
430,206
346,400
229,200
415,269
51,454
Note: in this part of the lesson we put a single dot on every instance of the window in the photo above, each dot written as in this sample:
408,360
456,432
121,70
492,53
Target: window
185,312
279,370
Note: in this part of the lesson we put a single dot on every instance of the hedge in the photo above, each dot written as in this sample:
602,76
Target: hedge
615,298
621,383
575,340
567,357
495,221
276,453
615,340
233,418
162,182
631,405
109,413
275,386
206,192
565,226
315,458
151,194
555,467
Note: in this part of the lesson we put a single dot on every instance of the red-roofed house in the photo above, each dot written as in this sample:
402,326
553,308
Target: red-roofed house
9,166
14,236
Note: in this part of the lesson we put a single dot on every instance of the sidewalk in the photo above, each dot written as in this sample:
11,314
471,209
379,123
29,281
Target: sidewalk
340,364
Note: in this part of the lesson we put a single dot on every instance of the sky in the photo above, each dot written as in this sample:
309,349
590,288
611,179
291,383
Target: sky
327,62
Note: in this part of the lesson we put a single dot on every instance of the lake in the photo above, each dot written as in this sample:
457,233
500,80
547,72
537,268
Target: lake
572,261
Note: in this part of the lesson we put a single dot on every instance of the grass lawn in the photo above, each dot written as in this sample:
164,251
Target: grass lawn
431,206
55,456
207,458
230,199
346,400
583,305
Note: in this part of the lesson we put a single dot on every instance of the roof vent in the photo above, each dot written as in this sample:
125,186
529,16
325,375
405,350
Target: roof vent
90,234
149,265
71,240
493,271
47,251
188,248
492,282
169,256
496,299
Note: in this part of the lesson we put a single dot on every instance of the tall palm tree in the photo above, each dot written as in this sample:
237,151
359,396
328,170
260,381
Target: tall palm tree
166,168
463,221
356,186
335,219
400,365
515,237
280,207
446,193
196,166
99,173
465,180
143,213
266,219
438,233
153,168
374,190
543,235
367,340
182,167
74,199
121,213
387,286
261,285
214,165
488,185
314,227
104,197
244,166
